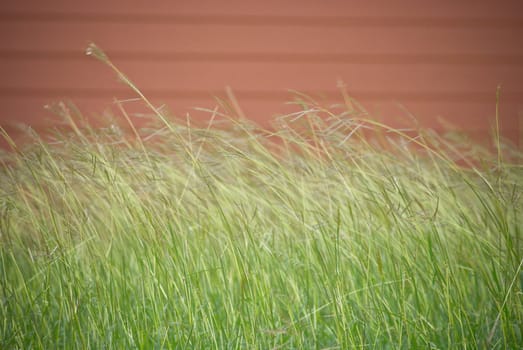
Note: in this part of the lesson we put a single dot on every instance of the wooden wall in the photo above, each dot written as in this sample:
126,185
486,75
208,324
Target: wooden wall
439,58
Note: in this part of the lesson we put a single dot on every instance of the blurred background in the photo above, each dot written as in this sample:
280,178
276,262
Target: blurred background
433,60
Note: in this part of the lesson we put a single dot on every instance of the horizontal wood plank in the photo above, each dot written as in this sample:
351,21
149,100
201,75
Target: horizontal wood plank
475,116
403,8
165,78
168,39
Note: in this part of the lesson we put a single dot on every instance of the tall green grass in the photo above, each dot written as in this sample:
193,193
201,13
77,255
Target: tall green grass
329,231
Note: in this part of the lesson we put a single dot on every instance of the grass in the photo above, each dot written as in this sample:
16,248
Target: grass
331,231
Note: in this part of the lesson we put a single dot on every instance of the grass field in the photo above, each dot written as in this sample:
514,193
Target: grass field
328,232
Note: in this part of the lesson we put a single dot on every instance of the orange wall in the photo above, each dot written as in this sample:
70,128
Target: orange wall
439,58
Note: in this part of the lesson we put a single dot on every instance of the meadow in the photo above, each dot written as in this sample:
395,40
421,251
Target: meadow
329,231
